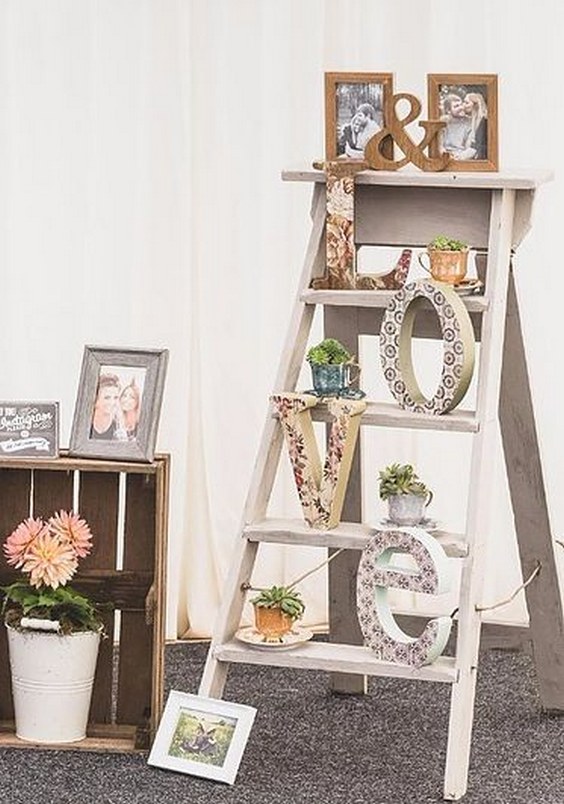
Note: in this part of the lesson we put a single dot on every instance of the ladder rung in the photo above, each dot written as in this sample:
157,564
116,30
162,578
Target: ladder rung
351,535
376,298
386,414
336,658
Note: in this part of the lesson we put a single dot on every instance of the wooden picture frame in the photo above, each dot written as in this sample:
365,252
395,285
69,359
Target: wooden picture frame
29,429
202,736
468,104
345,94
118,403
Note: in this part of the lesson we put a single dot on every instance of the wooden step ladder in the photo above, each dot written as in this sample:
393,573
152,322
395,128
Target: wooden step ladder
492,212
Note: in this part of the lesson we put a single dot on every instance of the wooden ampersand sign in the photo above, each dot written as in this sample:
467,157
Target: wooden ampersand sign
413,152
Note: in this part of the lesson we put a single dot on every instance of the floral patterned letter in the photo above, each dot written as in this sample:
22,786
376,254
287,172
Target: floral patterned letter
321,493
376,576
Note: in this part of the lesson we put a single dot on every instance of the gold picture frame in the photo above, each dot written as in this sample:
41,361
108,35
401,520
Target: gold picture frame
356,108
467,103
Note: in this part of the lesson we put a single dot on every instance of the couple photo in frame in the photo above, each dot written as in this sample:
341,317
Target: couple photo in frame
357,106
118,403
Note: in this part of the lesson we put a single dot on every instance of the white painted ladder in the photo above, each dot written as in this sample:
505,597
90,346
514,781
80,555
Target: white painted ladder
492,212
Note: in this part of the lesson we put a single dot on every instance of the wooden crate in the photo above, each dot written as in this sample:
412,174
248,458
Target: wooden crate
127,699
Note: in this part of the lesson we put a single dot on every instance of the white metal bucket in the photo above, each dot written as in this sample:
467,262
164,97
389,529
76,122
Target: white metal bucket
52,679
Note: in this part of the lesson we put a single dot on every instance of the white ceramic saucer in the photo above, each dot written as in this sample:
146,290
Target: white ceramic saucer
297,636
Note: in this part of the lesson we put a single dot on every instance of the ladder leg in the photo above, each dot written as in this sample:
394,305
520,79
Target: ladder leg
479,497
530,510
215,672
233,596
462,716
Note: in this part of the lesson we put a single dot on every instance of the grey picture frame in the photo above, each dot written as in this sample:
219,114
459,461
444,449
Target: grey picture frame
151,365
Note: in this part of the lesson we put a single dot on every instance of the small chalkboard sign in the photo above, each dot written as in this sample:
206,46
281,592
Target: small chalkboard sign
29,429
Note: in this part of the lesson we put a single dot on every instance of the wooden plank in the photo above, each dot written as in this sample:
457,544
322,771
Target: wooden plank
51,491
400,216
386,414
102,738
344,658
378,299
66,464
530,511
158,598
136,642
350,535
479,498
128,589
15,489
342,323
98,503
503,179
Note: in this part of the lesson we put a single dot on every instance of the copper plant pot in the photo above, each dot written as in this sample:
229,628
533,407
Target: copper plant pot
272,623
446,266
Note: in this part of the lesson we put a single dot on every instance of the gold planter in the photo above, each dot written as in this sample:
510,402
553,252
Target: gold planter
446,266
272,623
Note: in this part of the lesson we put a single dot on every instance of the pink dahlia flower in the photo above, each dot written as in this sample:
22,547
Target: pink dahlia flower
73,530
18,542
49,562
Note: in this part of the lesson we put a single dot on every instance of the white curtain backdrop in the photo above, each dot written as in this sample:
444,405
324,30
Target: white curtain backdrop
141,204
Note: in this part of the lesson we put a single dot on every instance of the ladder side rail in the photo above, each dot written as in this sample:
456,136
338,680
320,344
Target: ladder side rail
532,522
480,494
267,460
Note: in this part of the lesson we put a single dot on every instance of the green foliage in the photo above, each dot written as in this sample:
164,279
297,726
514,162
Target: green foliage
328,351
400,479
282,597
74,611
444,243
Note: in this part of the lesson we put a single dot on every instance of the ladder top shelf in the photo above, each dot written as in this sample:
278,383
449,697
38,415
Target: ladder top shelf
503,180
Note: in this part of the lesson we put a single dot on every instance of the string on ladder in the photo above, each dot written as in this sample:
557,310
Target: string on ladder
511,597
246,587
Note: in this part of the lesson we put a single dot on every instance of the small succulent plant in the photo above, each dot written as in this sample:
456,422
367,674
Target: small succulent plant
444,243
400,479
281,597
330,351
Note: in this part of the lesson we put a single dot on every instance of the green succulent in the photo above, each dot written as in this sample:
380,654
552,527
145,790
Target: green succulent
400,479
328,351
444,243
282,597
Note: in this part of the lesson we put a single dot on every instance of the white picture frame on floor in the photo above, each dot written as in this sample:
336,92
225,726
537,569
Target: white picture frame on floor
202,736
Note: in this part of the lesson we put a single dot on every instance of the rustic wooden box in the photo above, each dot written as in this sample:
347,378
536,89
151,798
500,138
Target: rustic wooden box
126,506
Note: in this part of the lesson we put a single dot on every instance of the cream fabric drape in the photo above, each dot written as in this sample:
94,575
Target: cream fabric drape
141,145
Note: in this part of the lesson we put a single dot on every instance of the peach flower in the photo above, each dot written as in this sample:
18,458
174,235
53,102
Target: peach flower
18,542
73,530
49,561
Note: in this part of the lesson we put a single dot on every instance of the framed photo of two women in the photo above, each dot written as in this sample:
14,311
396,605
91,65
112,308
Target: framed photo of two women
118,403
359,105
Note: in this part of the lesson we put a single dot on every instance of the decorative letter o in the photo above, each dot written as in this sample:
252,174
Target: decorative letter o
458,339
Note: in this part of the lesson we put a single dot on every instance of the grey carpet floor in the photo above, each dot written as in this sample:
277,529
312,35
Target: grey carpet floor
309,745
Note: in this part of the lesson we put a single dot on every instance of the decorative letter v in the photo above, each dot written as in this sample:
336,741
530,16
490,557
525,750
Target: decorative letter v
321,493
